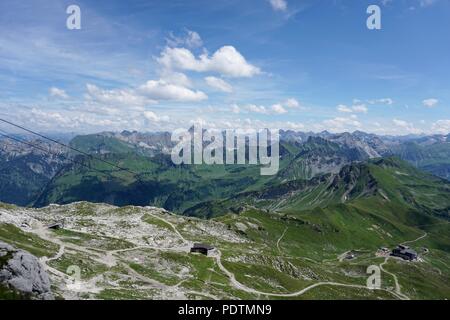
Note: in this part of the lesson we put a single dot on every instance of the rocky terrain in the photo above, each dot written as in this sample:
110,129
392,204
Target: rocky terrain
22,274
26,167
105,252
113,250
309,232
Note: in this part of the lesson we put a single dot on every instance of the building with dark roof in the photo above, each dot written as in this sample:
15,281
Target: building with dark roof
201,248
56,225
404,252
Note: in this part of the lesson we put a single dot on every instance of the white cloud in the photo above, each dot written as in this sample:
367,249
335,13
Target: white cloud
278,5
278,109
344,108
275,109
342,123
58,93
71,121
177,78
149,93
226,61
357,108
235,109
256,109
126,97
49,118
292,103
162,90
430,103
219,84
191,39
405,127
400,123
441,126
151,116
387,101
360,108
294,125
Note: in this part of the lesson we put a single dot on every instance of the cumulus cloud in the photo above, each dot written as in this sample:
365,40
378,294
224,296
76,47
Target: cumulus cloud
49,118
278,109
294,125
126,97
177,78
404,126
400,123
235,109
226,61
441,126
356,108
69,120
162,90
344,108
430,103
219,84
342,123
256,109
151,116
360,108
292,103
58,93
278,5
149,93
90,120
190,39
193,39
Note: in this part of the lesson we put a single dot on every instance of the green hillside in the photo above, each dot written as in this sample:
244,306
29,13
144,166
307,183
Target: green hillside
388,181
434,158
98,144
143,253
158,182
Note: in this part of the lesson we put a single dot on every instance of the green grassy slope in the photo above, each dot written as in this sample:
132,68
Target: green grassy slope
434,158
390,182
157,182
273,252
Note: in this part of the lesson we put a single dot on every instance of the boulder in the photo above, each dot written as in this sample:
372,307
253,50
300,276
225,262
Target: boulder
24,273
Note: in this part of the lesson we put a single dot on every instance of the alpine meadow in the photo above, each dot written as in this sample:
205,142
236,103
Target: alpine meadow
224,150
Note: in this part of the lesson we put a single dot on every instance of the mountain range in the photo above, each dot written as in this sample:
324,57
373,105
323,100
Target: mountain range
33,177
297,239
338,204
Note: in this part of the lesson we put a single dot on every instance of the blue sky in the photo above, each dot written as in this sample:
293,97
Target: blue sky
159,65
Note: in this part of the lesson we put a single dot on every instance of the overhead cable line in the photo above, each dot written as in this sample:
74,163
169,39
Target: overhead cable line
71,148
48,151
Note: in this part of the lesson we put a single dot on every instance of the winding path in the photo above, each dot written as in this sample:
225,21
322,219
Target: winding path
398,289
278,242
243,287
170,224
110,259
419,238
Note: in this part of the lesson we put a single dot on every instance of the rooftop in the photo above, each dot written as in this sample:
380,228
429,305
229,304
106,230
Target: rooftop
202,246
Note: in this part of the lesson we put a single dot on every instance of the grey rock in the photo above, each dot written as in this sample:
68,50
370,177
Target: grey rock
4,247
24,273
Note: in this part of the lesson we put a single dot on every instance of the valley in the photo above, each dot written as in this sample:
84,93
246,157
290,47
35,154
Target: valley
309,232
143,253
